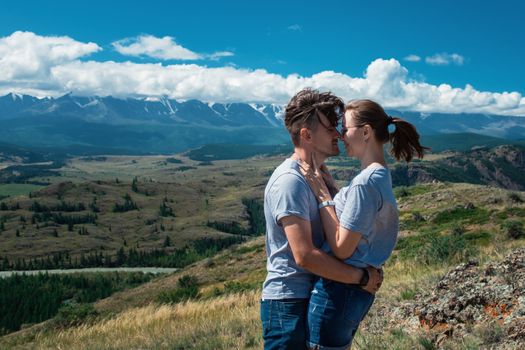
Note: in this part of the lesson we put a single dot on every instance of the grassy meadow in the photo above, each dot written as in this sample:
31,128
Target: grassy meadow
194,194
214,303
13,190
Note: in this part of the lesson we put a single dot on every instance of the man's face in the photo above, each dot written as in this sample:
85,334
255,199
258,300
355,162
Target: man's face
325,138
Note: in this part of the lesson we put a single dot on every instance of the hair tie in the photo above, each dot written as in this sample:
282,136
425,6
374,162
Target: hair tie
390,125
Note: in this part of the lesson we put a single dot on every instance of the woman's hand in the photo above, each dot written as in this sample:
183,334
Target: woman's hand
314,177
328,179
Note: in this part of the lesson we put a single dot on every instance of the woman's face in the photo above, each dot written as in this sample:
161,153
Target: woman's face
352,136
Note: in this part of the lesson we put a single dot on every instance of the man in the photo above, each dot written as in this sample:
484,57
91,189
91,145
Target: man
294,231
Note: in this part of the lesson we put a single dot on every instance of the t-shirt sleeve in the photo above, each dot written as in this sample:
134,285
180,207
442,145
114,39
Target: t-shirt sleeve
289,196
360,210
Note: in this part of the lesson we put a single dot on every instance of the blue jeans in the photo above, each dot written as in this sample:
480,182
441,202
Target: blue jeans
284,323
334,314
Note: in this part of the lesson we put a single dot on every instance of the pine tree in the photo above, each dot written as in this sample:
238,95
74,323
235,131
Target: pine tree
134,186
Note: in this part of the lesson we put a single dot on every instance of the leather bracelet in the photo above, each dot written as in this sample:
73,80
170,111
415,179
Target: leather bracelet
325,204
366,277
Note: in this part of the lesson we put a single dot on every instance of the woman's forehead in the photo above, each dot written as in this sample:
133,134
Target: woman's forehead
348,116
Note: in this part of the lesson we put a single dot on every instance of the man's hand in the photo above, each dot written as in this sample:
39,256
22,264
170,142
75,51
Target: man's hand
375,279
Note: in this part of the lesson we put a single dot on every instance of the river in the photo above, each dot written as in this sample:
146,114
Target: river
155,270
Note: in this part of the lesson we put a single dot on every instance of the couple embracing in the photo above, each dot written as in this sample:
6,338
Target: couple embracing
325,247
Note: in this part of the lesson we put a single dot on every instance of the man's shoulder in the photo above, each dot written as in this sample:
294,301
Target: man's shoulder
287,185
287,173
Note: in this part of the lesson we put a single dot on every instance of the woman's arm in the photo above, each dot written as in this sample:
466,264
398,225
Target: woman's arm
342,241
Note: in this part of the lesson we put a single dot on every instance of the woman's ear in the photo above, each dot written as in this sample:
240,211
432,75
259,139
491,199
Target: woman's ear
367,132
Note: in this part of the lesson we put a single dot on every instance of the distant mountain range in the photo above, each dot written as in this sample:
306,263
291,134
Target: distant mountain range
163,125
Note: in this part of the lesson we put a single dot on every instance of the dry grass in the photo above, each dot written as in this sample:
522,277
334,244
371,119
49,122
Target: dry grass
230,322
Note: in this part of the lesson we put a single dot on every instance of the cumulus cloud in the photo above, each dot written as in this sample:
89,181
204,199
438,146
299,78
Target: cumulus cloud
161,48
442,59
25,55
385,80
412,58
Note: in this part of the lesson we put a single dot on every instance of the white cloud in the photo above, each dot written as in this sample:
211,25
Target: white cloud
441,59
412,58
295,28
162,48
385,81
220,54
25,55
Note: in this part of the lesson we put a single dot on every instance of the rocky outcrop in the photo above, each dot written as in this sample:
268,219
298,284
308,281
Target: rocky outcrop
492,296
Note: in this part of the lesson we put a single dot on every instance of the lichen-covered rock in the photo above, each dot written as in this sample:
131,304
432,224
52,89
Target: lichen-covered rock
473,295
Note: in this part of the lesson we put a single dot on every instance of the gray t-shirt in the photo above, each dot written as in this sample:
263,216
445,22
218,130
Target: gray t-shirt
368,206
287,193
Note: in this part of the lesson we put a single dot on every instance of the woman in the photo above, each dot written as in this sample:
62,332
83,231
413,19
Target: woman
361,223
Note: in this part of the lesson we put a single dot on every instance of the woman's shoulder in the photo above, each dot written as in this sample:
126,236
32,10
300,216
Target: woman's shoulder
371,175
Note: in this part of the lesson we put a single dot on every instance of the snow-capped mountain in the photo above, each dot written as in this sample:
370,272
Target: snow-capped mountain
162,110
164,125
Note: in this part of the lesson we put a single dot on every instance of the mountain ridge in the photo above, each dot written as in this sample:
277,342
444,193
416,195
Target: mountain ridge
157,125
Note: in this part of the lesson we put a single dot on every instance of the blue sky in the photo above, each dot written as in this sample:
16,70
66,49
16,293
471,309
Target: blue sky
419,55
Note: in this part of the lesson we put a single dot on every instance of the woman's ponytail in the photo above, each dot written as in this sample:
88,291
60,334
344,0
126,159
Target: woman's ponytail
404,139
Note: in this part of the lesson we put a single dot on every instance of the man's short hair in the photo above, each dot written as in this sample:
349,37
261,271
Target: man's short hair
303,109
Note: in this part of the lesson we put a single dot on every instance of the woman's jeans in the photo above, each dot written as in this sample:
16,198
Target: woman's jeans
334,314
284,323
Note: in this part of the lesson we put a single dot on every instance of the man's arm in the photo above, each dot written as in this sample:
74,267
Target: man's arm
307,256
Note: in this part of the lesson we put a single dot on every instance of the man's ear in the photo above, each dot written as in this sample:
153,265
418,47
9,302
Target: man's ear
304,134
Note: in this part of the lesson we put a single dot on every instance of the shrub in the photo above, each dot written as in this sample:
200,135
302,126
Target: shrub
408,294
433,248
187,288
74,315
457,229
467,213
237,287
187,281
513,229
417,217
401,192
515,197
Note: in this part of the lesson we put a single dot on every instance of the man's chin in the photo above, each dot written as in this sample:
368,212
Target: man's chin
335,152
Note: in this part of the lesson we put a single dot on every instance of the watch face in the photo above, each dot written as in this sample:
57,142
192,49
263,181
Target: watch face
365,278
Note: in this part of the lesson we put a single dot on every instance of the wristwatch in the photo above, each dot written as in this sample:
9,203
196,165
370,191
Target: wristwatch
364,280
